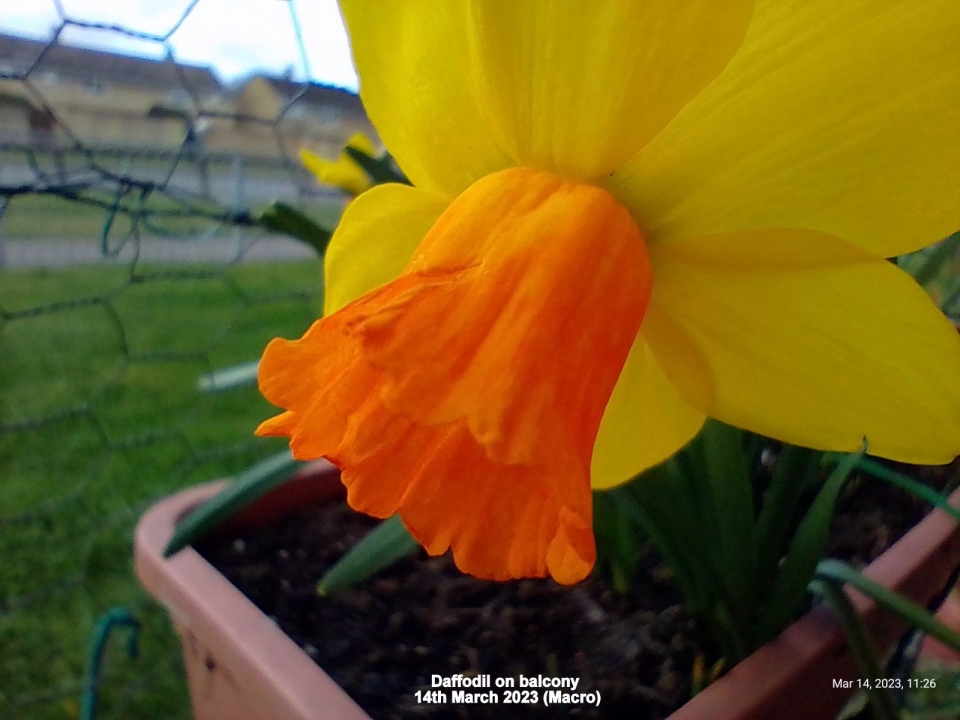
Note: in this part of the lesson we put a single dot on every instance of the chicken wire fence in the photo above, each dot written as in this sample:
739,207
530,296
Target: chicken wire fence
132,264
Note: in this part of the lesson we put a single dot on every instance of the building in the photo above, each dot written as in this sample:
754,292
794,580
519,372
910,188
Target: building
55,96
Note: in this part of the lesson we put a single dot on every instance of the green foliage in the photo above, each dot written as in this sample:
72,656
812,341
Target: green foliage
937,268
378,169
746,553
283,218
803,552
249,486
839,573
929,264
743,572
864,652
618,541
879,471
388,542
937,696
829,580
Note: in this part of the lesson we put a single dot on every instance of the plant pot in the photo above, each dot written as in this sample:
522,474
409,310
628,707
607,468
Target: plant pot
949,615
240,665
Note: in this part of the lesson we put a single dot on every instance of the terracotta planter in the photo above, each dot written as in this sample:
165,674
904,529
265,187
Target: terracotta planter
949,615
241,666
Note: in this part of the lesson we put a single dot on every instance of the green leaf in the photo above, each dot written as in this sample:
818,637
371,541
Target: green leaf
951,301
283,218
930,262
839,572
229,377
716,519
617,538
861,646
654,504
904,482
379,169
731,498
660,503
803,554
250,485
384,545
691,487
778,511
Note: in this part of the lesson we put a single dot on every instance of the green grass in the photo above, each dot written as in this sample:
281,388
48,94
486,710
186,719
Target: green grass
100,416
48,216
941,702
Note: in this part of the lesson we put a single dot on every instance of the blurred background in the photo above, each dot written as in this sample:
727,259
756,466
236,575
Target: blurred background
139,141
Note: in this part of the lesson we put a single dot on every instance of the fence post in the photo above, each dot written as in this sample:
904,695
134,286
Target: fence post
238,197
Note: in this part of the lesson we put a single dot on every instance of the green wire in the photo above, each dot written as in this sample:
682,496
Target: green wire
114,617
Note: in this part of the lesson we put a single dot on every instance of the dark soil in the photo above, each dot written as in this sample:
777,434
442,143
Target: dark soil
383,642
872,515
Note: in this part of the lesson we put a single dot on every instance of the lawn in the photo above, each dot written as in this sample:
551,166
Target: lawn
49,216
99,416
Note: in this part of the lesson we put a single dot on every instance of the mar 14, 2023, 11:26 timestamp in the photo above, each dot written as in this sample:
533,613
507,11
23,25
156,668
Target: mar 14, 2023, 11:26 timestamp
887,683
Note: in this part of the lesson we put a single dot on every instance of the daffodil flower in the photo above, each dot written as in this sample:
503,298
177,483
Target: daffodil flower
344,172
626,217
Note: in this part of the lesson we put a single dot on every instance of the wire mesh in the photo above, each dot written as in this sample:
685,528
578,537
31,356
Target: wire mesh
131,263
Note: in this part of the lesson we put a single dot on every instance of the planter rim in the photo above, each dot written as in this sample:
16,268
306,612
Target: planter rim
817,641
200,599
762,686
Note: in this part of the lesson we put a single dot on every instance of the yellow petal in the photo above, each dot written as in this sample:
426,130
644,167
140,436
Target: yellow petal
578,87
821,349
415,84
343,172
458,90
375,238
645,422
842,117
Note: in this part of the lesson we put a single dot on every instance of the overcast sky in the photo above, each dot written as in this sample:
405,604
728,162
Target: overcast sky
235,37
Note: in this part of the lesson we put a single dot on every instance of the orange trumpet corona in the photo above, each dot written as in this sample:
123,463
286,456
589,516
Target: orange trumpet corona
467,394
